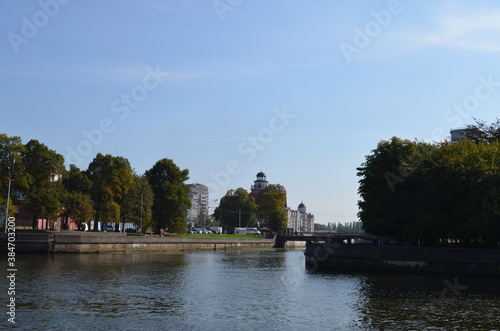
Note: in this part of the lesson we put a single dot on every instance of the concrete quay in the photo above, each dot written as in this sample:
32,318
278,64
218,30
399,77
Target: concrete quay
40,241
429,260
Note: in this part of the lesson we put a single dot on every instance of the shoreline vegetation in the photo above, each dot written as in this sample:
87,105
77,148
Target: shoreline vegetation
433,194
44,194
426,194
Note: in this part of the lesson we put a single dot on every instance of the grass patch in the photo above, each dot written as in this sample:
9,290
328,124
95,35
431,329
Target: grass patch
194,235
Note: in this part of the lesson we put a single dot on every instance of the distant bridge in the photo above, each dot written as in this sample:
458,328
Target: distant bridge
331,237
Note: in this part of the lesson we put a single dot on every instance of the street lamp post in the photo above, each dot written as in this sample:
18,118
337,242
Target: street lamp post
213,201
8,200
142,202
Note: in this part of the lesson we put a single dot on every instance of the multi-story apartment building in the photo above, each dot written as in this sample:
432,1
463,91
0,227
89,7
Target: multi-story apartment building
299,220
198,213
457,134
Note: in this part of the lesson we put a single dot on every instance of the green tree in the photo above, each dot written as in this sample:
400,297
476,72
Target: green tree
137,206
320,227
385,187
475,169
76,198
430,193
111,177
236,208
272,206
482,132
171,195
44,168
11,166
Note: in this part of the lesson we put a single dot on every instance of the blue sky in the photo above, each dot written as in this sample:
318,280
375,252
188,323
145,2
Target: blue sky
302,90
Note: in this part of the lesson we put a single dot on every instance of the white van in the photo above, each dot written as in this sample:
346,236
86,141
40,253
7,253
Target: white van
240,230
252,231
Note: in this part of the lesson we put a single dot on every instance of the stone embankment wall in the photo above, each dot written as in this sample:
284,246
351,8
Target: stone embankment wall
96,242
295,244
414,259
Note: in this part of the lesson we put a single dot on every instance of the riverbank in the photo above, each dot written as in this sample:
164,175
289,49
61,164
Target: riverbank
36,241
335,257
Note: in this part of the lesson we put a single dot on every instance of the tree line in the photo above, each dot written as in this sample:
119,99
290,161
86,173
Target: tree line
434,193
238,208
108,191
346,227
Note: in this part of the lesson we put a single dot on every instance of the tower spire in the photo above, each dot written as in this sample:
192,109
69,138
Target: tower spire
259,184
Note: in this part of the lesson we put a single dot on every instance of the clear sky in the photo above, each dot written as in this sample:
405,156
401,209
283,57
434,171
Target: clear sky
301,90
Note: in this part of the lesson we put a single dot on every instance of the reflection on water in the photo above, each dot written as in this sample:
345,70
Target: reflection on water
418,302
243,290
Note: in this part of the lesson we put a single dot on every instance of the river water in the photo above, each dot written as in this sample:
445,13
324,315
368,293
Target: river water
238,290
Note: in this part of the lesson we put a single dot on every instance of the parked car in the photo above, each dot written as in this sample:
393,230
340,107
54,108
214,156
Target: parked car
131,230
216,229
